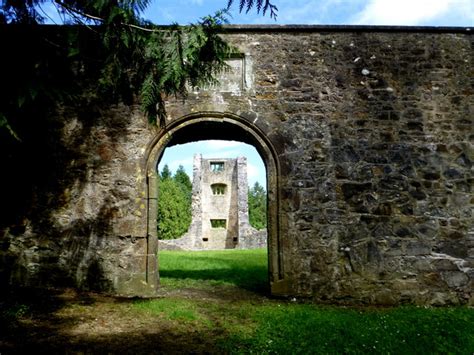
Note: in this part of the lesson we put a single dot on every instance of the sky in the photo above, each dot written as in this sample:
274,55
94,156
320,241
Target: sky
331,12
320,12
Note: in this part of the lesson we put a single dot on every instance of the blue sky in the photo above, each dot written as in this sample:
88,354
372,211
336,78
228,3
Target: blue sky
330,12
368,12
333,12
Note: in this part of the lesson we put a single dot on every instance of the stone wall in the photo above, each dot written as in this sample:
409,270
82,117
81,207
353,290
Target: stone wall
367,138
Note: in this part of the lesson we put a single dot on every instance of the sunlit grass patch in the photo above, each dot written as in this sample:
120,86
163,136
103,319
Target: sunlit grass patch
243,268
303,329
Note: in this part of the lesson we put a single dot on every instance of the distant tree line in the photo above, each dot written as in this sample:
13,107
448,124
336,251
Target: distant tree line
174,204
257,200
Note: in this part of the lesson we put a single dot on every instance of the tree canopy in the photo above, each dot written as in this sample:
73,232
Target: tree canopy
183,179
55,75
174,203
263,6
257,201
166,173
139,59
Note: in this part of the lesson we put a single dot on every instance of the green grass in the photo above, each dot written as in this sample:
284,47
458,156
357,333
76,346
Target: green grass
282,327
275,327
288,328
194,316
304,329
246,269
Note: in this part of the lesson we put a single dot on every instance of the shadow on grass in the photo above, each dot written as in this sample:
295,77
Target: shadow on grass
27,317
240,270
32,321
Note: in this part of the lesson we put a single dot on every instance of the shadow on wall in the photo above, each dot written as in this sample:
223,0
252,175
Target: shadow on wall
57,155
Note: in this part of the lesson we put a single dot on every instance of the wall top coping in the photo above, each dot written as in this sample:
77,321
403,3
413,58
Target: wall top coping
295,28
345,28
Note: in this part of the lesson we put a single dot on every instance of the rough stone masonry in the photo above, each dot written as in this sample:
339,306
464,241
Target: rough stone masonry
367,138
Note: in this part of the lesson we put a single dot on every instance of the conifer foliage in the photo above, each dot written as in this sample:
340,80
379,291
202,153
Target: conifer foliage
262,6
257,201
174,203
142,58
139,59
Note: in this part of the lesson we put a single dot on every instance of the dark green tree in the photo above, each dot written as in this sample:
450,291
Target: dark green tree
174,210
165,173
174,203
257,202
185,182
110,56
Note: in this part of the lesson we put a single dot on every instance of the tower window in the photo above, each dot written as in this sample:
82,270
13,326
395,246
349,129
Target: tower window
217,167
218,189
218,223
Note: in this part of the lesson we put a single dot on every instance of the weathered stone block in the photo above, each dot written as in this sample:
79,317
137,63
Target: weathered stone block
455,278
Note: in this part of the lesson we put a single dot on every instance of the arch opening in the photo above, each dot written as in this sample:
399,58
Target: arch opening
209,126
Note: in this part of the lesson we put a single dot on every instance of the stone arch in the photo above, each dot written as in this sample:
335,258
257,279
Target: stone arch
216,125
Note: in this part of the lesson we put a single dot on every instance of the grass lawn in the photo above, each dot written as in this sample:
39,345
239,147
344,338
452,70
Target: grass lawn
246,269
216,302
285,327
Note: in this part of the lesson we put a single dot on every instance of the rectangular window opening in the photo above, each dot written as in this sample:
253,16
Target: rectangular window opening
205,239
217,167
218,189
218,223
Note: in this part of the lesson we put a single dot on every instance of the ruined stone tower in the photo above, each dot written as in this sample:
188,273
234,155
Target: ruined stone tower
219,208
220,201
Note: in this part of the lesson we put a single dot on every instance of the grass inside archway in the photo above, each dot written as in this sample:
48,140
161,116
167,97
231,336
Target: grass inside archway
247,269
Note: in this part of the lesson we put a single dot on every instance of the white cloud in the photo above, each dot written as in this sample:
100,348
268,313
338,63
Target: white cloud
411,12
252,172
369,12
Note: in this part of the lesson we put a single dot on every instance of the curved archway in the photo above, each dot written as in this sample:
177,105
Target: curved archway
224,126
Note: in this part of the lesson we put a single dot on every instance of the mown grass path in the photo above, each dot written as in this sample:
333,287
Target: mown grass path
217,302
